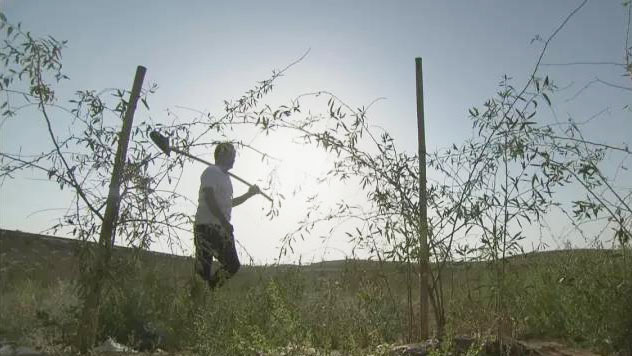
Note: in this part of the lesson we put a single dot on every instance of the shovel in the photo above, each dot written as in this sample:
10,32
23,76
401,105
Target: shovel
163,144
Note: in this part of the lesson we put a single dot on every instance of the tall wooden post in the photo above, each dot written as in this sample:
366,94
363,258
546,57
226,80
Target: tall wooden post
92,302
424,272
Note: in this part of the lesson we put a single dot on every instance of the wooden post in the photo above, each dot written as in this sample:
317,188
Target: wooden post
90,312
424,294
108,229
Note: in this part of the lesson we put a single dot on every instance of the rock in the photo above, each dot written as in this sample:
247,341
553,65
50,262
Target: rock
420,349
10,350
151,337
463,343
110,345
27,351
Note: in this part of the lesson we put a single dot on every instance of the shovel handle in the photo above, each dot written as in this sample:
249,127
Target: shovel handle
229,173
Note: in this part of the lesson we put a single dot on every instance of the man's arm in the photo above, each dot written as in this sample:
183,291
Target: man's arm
252,191
211,202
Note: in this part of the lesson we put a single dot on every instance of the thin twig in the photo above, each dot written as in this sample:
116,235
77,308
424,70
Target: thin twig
583,63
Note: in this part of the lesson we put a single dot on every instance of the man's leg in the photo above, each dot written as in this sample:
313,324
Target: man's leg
203,253
227,256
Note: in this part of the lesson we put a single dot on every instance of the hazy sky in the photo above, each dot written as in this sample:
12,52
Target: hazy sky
203,52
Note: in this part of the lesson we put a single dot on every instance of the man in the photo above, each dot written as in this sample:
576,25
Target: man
213,233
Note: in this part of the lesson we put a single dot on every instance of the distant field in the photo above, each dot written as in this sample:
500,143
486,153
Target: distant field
47,259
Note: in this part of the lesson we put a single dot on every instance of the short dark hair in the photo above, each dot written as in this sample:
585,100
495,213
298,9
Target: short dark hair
223,148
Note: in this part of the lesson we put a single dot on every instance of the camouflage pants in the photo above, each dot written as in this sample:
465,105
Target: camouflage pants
211,242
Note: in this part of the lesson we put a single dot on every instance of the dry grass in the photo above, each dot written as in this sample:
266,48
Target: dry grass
350,306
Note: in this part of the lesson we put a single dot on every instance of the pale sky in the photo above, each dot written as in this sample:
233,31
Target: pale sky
203,52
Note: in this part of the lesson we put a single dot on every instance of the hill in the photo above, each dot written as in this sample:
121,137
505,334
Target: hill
50,257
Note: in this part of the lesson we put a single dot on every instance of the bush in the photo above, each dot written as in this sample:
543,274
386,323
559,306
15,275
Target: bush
579,296
37,315
583,297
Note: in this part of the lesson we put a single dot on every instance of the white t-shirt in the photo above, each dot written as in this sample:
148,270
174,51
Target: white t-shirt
214,177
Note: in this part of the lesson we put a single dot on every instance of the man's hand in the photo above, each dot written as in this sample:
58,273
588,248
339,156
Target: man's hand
254,190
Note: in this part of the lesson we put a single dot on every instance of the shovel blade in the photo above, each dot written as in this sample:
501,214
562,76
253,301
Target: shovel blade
161,141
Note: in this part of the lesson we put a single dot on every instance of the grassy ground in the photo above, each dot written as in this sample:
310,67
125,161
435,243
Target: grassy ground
354,307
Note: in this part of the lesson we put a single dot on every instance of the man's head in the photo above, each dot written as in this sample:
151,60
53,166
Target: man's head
225,155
